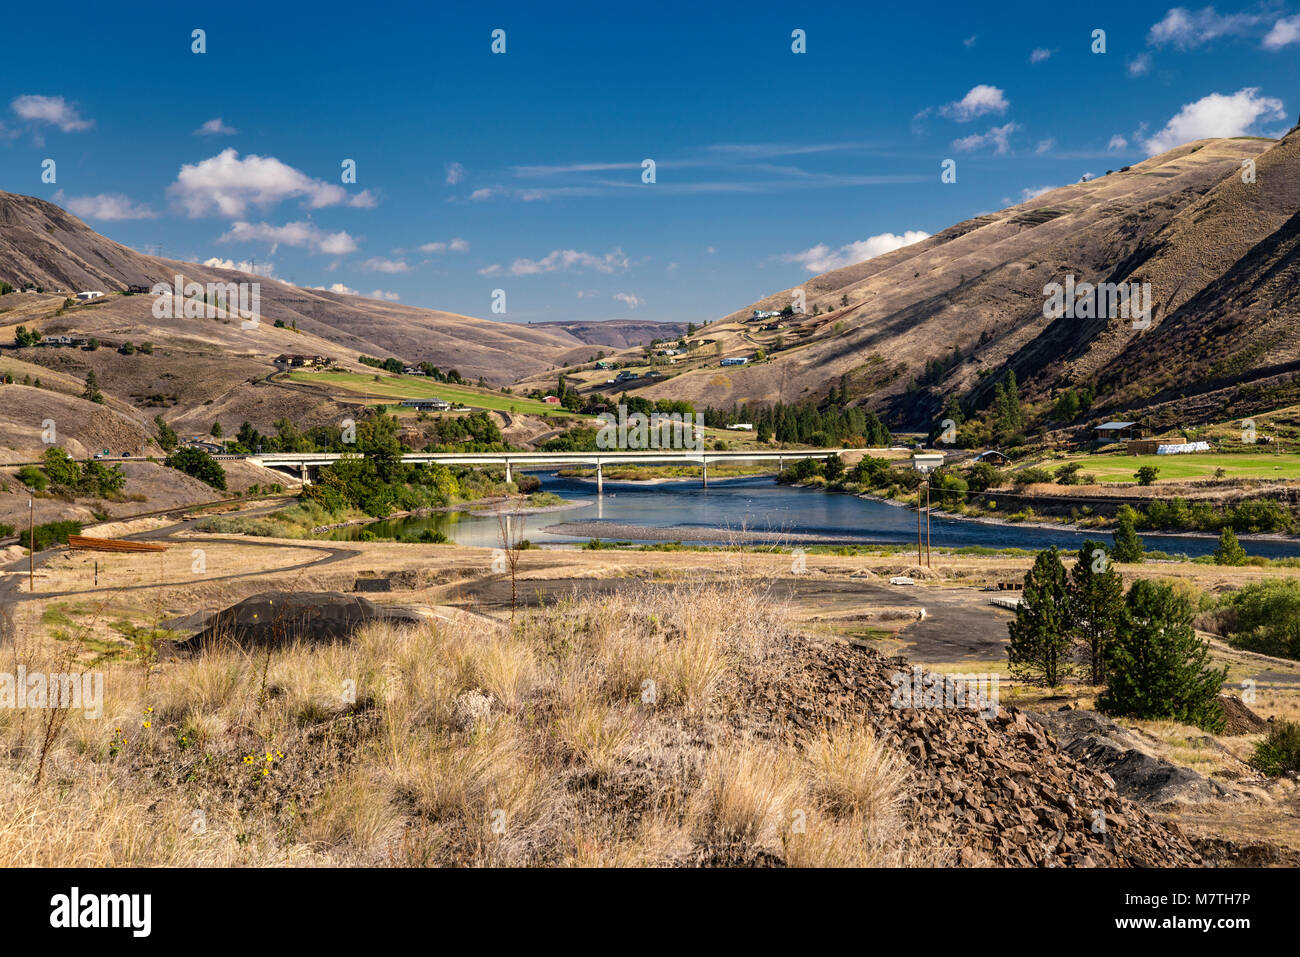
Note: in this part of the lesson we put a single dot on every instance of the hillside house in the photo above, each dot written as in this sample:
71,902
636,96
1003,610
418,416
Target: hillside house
427,405
93,294
294,361
552,400
734,361
1117,431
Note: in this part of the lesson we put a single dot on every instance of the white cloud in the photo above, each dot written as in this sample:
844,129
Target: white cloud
455,245
1139,65
588,294
493,270
1285,32
1044,146
1118,142
484,193
227,185
215,127
821,258
243,265
338,287
1034,192
301,234
455,173
628,299
1216,115
998,136
385,294
105,206
1183,29
54,110
565,259
1039,55
379,264
980,100
970,40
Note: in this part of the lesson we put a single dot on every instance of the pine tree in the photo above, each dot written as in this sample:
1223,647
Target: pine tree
91,391
1096,605
1229,551
1040,638
1158,668
1128,546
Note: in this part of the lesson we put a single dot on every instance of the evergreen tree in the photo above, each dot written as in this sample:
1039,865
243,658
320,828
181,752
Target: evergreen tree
1229,551
1096,605
1157,666
1040,638
1128,546
91,391
167,438
1008,417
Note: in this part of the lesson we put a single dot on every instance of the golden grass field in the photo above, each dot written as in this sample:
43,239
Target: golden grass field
490,737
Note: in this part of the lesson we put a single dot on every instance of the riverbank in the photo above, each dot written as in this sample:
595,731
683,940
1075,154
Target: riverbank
1064,524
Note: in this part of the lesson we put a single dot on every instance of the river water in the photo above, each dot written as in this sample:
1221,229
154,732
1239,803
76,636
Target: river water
757,504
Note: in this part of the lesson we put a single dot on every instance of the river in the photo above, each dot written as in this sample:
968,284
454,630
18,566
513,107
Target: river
757,504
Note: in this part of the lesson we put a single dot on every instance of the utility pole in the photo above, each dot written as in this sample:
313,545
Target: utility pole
31,547
927,521
918,528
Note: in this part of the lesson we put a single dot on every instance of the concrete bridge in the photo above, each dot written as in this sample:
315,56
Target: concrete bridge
305,462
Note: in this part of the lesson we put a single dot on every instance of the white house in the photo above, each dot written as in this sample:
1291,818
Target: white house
93,294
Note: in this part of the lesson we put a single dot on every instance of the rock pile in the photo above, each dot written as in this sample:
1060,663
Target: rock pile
997,791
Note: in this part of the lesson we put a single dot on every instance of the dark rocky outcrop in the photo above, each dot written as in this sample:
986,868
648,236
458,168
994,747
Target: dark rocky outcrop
278,618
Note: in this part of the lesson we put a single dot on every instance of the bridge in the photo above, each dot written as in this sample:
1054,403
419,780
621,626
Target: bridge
305,462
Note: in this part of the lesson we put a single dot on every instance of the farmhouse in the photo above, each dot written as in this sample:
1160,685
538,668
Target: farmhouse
294,361
94,294
551,400
734,361
1115,431
427,405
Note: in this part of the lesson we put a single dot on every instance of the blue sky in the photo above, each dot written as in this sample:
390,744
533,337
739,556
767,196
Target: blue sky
523,171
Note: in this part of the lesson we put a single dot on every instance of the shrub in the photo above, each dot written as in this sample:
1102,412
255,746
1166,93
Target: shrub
1265,617
33,478
1279,753
199,464
1031,476
1229,551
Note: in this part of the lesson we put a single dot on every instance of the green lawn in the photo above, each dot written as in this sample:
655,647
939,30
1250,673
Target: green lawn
1113,467
415,387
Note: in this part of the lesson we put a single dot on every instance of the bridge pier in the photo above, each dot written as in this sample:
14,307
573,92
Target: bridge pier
305,470
600,479
508,470
704,473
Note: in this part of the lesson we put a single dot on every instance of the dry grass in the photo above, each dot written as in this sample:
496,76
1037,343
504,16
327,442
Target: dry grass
596,732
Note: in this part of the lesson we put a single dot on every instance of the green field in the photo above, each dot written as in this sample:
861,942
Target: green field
1121,468
391,387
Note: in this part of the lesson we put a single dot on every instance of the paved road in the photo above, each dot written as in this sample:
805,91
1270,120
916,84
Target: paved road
11,586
